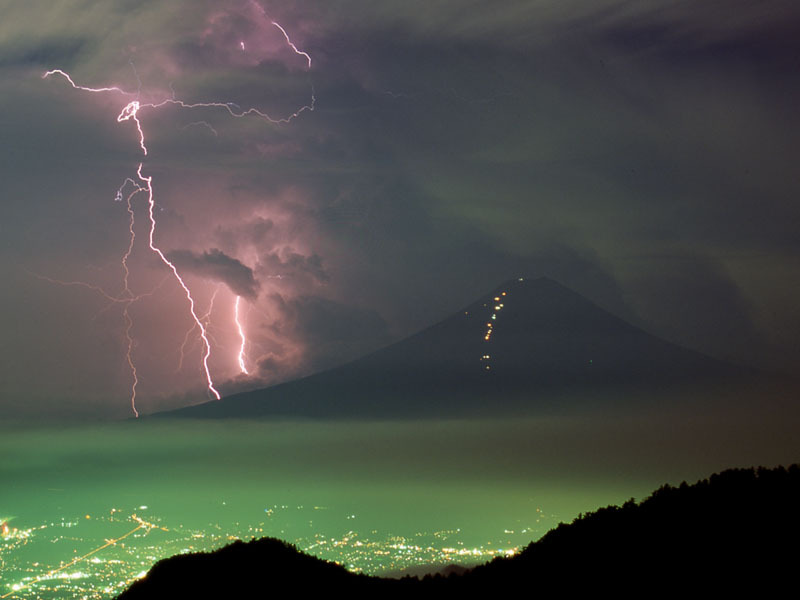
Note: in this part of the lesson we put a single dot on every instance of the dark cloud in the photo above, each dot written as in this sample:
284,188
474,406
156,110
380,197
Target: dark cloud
256,231
321,320
275,366
694,301
331,332
42,54
286,263
218,266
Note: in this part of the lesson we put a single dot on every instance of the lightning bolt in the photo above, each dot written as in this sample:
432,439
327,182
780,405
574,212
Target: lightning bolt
148,185
242,366
263,12
125,278
127,300
205,124
144,184
206,318
293,47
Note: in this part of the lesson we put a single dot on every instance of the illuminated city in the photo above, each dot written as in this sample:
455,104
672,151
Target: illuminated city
97,556
90,508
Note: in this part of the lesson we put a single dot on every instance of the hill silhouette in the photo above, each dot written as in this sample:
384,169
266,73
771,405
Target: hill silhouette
733,532
245,570
522,342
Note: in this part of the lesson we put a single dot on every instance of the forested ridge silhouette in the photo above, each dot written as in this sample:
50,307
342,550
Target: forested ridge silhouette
733,532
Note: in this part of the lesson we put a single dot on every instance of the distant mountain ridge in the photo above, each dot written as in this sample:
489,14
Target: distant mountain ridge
729,534
523,340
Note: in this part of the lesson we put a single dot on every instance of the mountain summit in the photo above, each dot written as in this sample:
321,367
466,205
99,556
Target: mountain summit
525,340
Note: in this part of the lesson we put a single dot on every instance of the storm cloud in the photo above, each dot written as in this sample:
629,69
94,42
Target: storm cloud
217,266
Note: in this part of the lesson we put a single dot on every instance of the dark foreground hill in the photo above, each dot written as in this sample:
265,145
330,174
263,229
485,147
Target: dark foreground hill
734,532
514,349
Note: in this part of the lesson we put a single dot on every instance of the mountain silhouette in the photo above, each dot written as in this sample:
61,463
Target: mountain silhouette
513,349
732,533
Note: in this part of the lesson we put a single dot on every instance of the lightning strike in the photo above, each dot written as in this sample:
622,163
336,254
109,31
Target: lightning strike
263,12
129,358
66,76
125,279
293,47
205,124
127,299
206,318
130,112
241,336
148,181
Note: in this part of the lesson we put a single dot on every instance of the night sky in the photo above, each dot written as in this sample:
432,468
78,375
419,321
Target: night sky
642,153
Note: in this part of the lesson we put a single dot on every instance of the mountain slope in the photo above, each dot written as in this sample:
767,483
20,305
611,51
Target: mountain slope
526,339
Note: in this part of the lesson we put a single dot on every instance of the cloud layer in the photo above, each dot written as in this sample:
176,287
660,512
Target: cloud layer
215,265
